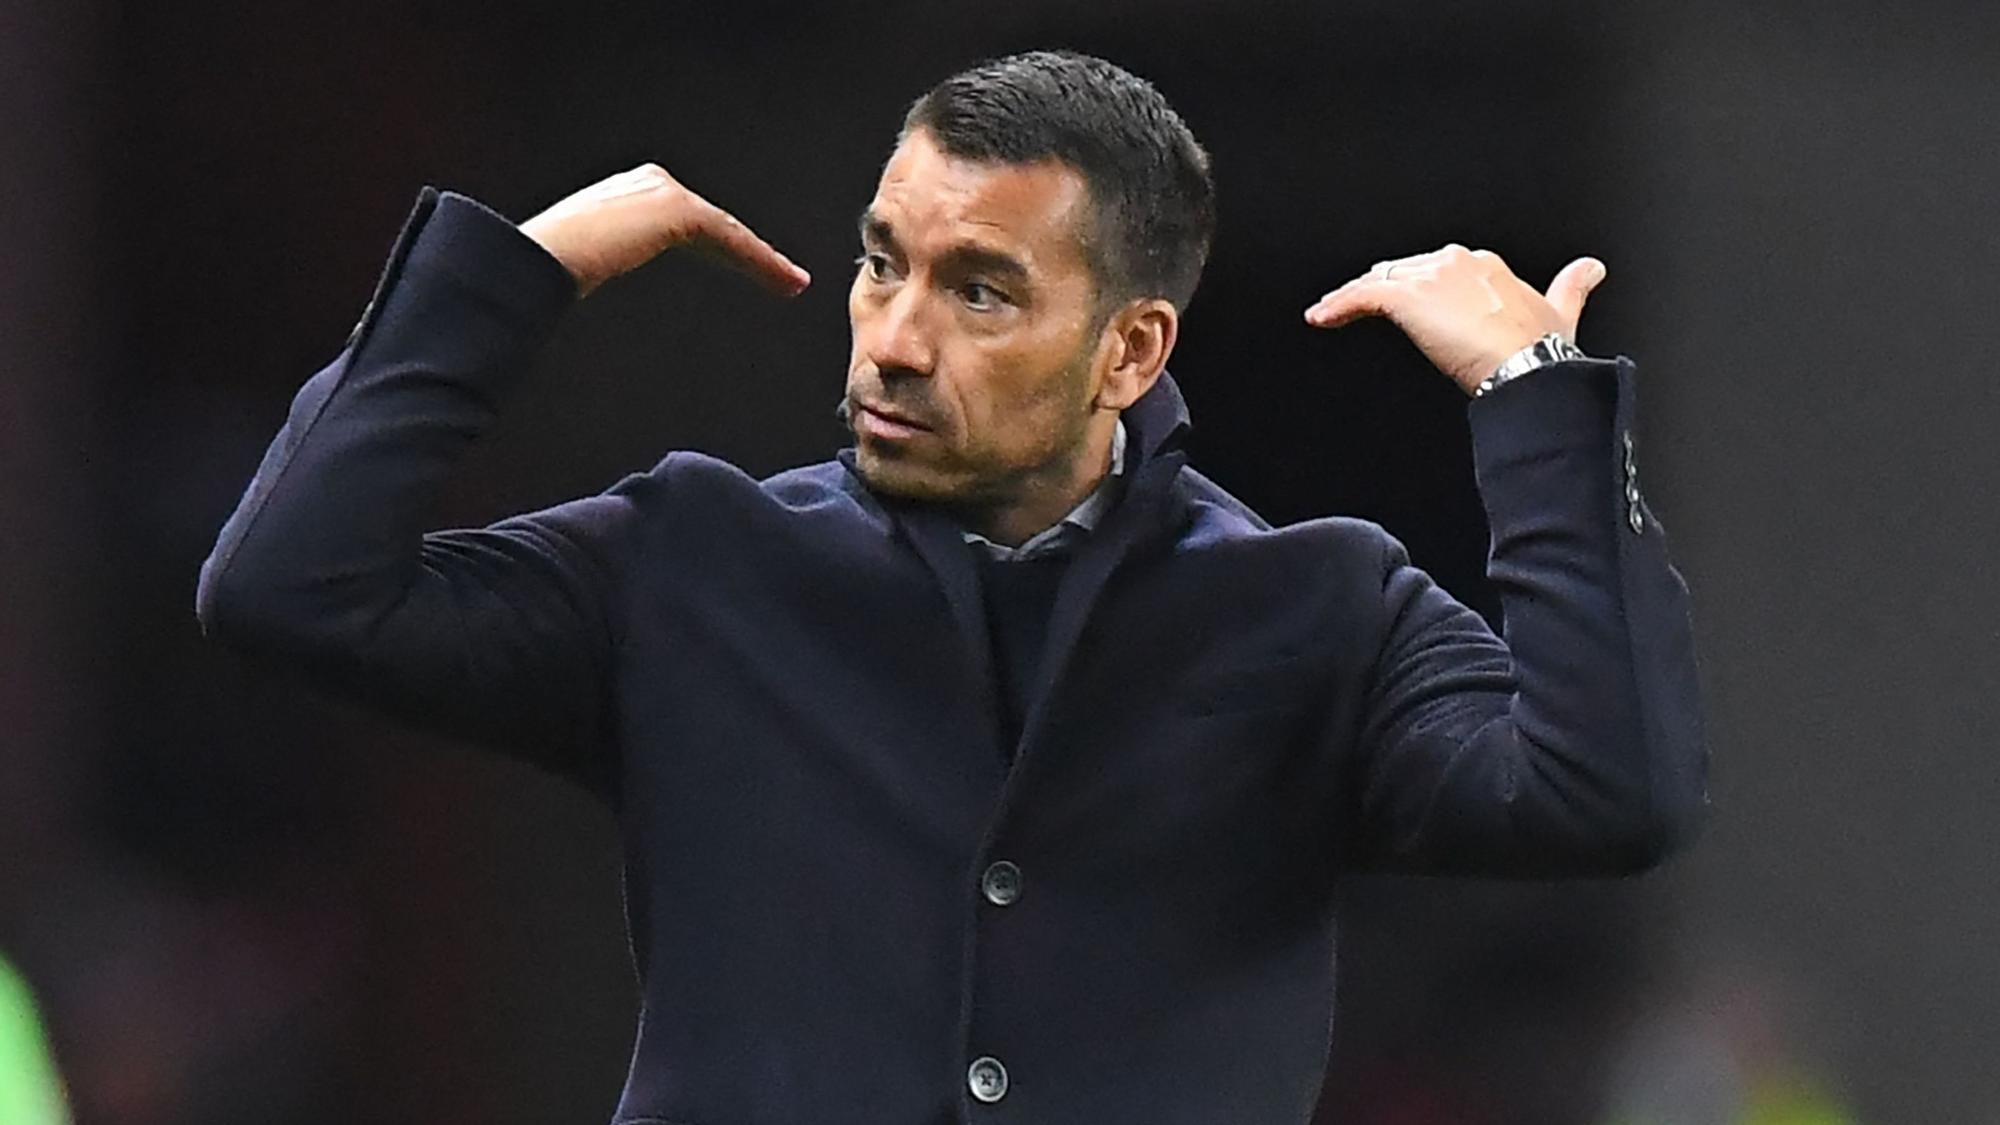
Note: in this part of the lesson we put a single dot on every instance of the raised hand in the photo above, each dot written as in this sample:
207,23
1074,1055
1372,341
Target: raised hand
622,222
1464,309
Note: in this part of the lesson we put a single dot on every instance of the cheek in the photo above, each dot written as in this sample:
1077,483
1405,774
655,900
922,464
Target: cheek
857,320
1021,405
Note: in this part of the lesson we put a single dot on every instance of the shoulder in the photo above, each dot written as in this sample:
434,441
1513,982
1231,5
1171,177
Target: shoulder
1316,583
699,483
1217,520
816,486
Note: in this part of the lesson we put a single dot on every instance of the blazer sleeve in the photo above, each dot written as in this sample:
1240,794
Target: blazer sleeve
1574,745
501,634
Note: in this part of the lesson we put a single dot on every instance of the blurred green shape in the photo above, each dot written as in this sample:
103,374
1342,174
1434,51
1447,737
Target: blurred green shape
31,1093
1794,1100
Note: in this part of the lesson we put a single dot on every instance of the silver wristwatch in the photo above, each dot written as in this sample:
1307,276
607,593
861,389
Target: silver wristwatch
1552,348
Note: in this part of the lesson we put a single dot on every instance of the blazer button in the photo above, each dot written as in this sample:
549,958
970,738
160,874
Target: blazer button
1001,883
987,1079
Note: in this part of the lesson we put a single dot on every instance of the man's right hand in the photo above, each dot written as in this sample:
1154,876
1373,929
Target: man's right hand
620,223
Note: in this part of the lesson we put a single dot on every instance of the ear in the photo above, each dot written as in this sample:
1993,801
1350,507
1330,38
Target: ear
1138,339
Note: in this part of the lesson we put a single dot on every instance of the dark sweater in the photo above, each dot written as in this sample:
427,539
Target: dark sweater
784,690
1019,595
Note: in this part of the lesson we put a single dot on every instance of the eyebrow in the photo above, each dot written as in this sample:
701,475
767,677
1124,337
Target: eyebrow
966,256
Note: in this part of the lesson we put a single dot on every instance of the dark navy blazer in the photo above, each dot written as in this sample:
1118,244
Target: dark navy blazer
784,689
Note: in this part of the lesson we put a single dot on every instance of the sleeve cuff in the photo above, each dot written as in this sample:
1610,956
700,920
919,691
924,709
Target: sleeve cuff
485,252
1569,406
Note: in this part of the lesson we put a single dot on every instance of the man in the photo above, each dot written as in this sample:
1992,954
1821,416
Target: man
1001,769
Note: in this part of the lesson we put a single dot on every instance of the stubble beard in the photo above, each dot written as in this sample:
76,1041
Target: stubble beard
973,488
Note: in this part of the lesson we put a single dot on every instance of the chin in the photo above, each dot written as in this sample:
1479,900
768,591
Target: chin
904,478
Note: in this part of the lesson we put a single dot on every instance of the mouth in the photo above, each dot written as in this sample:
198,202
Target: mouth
888,424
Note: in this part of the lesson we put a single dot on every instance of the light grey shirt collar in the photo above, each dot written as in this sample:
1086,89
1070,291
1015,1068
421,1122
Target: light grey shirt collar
1080,521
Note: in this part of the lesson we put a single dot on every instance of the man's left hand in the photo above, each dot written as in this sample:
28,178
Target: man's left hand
1464,309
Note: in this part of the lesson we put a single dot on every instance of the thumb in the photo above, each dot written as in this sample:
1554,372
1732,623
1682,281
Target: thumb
1572,287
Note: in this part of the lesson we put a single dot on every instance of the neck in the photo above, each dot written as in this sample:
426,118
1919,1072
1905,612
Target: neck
1050,493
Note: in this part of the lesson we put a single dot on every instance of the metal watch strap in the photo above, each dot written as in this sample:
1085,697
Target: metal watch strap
1552,348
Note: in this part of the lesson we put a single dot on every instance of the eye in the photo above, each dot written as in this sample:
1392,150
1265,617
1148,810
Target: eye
875,265
980,296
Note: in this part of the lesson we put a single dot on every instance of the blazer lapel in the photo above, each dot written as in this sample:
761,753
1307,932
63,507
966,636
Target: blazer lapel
1157,425
1138,521
939,543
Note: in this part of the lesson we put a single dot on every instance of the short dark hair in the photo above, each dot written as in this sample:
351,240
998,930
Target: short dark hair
1152,200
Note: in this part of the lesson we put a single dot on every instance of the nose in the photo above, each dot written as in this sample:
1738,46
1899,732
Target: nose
898,339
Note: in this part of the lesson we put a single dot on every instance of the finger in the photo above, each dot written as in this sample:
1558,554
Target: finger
1371,293
1572,287
725,237
1367,295
646,177
1402,269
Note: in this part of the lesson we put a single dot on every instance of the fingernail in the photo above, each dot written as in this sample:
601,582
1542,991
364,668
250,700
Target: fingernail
1596,273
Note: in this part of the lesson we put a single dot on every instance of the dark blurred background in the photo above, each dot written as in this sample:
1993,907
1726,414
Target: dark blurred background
235,902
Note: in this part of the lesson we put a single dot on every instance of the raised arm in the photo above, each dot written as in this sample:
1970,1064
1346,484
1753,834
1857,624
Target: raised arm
1574,745
503,634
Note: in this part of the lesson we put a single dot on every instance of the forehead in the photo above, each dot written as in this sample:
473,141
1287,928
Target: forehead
933,202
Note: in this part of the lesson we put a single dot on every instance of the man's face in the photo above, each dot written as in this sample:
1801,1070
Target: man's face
973,317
